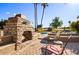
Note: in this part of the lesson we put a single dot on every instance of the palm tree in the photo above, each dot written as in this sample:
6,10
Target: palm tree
35,14
69,24
44,6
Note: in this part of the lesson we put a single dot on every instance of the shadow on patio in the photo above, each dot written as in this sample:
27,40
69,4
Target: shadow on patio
72,48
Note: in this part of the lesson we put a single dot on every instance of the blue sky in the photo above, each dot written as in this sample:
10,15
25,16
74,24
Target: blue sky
66,12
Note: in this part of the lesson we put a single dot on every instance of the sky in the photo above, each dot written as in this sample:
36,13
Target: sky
66,12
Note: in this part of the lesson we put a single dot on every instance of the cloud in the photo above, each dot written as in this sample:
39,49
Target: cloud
7,12
14,14
72,4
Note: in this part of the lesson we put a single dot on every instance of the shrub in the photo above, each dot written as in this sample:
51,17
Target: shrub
75,26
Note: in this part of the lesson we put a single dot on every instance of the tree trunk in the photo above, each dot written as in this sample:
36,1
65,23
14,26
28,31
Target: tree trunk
42,16
35,13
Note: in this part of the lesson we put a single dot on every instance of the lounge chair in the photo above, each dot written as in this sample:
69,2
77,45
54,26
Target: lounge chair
50,49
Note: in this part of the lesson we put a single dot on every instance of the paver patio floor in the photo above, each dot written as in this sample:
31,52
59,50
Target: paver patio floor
34,48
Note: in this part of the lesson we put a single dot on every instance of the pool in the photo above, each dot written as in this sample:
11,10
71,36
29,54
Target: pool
44,34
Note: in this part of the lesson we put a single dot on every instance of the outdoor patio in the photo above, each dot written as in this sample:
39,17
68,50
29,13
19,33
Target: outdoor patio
34,48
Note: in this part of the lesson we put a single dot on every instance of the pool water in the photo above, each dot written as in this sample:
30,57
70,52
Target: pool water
44,33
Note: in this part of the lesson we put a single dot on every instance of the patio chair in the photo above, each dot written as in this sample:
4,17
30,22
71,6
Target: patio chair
50,49
56,38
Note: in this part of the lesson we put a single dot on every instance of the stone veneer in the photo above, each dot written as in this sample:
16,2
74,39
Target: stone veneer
17,26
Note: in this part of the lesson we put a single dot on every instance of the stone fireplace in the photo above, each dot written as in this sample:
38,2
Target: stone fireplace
19,28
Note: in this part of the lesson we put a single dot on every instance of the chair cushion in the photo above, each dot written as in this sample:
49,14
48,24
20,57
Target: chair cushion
58,42
56,49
